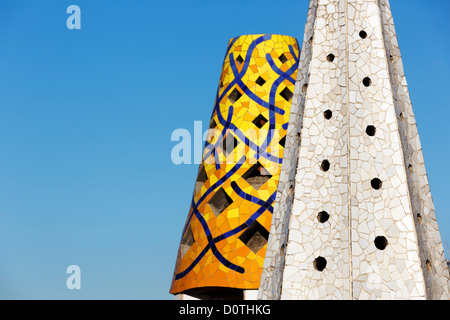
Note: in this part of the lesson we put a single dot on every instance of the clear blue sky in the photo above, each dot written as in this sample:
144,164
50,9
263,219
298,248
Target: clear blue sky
86,118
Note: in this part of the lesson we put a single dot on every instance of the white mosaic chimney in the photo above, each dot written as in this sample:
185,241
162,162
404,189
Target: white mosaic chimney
354,216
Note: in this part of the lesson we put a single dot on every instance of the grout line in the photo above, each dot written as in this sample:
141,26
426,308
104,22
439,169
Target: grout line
348,156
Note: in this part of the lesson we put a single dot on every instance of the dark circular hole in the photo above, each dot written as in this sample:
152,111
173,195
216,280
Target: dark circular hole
371,130
402,117
419,217
330,57
328,114
381,242
363,34
376,184
410,168
428,263
323,216
325,166
282,250
305,87
367,81
320,263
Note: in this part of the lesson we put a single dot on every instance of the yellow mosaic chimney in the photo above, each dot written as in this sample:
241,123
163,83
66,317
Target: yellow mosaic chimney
224,239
